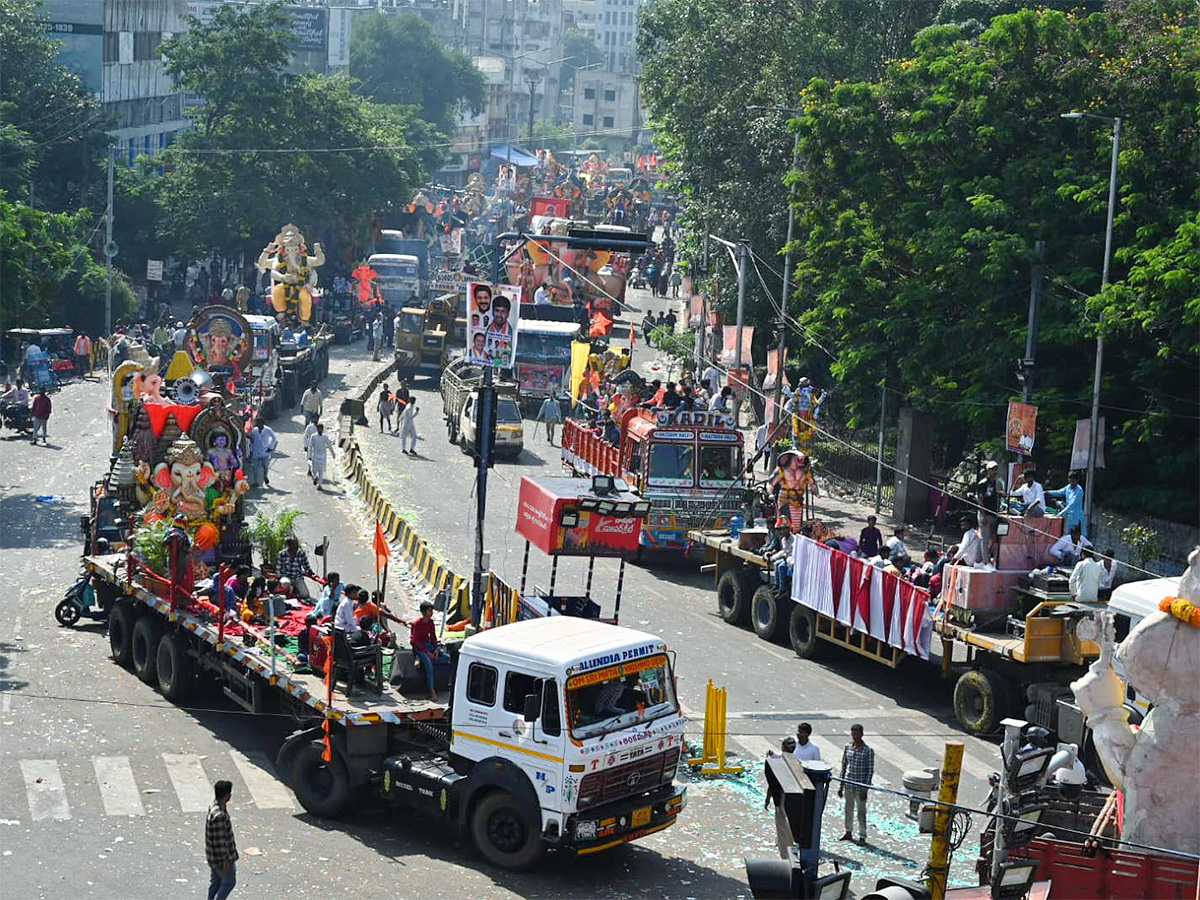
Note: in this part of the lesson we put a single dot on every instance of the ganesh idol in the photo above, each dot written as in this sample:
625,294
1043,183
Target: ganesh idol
293,273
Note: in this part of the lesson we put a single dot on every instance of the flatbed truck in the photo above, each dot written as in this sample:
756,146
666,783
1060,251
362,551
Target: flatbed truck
527,750
1019,663
302,364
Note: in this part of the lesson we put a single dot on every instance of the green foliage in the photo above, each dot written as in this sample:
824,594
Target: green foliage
269,531
270,148
50,138
149,547
1146,543
580,51
922,192
399,61
49,272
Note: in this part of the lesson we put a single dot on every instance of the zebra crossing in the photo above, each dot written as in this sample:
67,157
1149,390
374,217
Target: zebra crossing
902,750
61,790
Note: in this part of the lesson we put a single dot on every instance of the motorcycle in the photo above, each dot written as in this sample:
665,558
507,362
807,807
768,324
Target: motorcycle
17,416
81,601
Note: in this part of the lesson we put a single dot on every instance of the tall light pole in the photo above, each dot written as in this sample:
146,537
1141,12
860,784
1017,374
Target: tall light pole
1089,493
787,264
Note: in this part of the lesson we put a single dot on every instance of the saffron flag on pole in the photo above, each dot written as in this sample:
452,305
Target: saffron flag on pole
382,551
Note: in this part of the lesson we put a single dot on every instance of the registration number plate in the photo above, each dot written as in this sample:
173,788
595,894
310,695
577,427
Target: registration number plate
641,817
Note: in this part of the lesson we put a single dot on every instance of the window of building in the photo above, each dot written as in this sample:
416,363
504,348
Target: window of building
481,684
589,93
608,121
610,95
607,17
589,119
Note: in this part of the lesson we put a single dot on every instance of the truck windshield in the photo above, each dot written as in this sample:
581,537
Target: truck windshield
406,271
507,412
671,465
620,696
410,323
719,465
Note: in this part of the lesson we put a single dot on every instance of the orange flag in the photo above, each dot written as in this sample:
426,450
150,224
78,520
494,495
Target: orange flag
382,551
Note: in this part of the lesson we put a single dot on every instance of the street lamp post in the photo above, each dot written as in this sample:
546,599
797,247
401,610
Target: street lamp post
1094,429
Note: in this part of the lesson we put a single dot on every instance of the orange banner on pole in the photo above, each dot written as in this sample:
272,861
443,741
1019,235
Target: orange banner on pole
729,349
1022,421
774,367
382,551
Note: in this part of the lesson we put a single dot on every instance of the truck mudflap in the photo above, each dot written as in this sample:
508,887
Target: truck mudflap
625,820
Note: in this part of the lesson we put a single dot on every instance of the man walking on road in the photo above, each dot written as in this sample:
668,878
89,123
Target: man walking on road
319,448
805,748
407,418
262,442
551,414
858,765
220,848
41,415
377,337
311,403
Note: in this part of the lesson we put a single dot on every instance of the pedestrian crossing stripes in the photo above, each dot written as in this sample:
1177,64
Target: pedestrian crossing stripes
892,758
62,790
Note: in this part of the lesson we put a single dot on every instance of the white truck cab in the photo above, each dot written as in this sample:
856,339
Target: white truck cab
510,430
563,731
264,365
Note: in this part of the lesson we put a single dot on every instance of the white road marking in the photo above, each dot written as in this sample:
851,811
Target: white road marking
971,766
6,702
17,628
265,789
118,790
45,790
191,784
886,751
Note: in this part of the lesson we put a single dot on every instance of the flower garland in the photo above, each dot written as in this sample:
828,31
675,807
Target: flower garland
1181,609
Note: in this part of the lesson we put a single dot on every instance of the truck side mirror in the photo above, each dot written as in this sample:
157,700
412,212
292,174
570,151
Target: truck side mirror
532,704
85,524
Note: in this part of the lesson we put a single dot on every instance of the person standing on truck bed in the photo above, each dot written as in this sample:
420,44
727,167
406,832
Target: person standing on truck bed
1086,578
858,765
870,539
311,403
220,848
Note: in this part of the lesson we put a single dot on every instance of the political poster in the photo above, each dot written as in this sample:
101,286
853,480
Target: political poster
492,314
1022,422
1080,446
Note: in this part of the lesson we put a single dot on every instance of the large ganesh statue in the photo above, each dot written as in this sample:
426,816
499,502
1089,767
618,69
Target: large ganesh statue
293,273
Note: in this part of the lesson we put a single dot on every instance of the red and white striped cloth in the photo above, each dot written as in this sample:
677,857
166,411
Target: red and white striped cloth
866,598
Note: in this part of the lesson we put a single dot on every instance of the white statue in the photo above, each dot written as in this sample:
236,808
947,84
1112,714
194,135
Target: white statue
1156,766
293,272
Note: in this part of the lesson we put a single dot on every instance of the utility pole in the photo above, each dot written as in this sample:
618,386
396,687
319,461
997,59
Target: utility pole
787,283
879,451
532,82
939,848
109,247
1094,436
741,315
1031,328
484,441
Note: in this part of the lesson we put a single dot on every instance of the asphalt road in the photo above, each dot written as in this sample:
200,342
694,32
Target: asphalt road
106,783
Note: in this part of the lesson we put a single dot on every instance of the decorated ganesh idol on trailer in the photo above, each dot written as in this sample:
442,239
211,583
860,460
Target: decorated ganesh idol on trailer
173,492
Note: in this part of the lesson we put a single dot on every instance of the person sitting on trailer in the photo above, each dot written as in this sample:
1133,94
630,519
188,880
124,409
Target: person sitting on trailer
424,643
330,595
345,621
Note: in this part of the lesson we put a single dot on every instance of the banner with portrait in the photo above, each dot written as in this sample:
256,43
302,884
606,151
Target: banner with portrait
1022,423
492,314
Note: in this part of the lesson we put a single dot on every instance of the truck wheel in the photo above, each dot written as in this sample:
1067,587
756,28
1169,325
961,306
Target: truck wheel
734,592
146,632
802,632
451,433
503,835
323,788
979,701
175,671
120,632
767,613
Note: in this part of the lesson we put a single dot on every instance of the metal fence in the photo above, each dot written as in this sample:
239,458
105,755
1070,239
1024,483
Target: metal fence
848,461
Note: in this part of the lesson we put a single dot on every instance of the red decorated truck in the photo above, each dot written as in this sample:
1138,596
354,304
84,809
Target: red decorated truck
688,464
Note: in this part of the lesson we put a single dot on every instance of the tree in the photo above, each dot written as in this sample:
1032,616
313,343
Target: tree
920,195
580,51
48,270
273,148
399,61
50,137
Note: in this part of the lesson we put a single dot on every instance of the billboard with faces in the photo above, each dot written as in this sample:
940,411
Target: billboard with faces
492,313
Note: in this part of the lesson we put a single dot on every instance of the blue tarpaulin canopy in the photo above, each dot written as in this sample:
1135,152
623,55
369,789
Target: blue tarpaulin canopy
518,156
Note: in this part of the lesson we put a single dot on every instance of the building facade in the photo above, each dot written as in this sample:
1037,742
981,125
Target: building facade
616,33
606,109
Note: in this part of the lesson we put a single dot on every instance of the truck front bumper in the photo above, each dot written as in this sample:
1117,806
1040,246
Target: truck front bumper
625,820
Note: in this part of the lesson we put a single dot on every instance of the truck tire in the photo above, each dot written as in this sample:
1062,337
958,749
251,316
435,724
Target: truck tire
120,632
734,592
323,788
502,833
768,614
802,632
979,701
175,669
144,648
67,612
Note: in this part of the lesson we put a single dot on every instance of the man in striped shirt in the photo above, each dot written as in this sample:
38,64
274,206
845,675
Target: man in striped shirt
220,849
858,765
